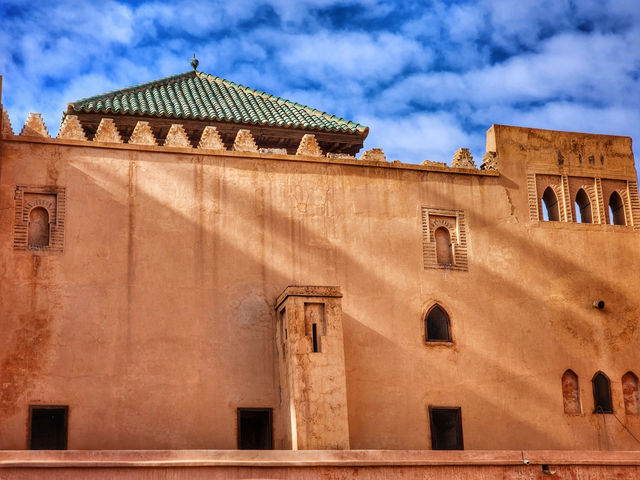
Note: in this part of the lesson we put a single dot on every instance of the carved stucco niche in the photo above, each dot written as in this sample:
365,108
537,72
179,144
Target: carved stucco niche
454,223
39,219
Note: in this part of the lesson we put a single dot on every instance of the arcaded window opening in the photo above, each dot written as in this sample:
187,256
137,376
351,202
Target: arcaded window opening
255,429
444,250
583,207
38,233
550,208
48,427
571,393
616,210
630,394
601,394
446,428
437,325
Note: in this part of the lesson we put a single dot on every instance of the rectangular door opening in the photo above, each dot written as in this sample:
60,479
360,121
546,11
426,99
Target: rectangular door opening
48,427
255,429
446,428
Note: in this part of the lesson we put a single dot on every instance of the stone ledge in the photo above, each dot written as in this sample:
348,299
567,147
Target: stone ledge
307,291
302,458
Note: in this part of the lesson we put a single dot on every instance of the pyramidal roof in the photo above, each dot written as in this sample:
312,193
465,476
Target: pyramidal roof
199,96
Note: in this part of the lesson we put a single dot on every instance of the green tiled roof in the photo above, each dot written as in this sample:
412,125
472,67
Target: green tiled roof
200,96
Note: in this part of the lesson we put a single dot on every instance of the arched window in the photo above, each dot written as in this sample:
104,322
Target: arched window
630,394
444,253
583,207
550,211
437,325
38,235
616,210
571,392
601,394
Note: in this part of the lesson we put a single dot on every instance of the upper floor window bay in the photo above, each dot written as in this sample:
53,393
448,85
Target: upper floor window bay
583,207
616,210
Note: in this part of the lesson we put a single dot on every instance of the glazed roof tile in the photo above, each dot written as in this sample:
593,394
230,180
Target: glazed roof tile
200,96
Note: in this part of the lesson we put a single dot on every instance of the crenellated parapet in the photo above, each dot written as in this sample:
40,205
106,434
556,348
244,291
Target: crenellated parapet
209,140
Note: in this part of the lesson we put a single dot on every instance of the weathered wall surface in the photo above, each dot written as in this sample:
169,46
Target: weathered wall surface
157,321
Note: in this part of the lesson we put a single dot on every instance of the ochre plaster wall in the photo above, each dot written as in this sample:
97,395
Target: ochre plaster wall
157,322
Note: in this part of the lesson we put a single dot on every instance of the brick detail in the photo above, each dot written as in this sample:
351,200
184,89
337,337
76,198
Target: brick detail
244,141
532,193
455,222
634,201
7,131
210,139
52,199
34,127
566,200
177,137
309,146
600,199
107,132
71,129
142,135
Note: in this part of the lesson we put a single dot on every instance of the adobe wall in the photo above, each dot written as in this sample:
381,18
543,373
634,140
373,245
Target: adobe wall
156,322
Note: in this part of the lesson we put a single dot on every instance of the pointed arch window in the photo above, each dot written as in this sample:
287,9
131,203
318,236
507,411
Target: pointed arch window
583,207
571,393
630,394
616,210
601,394
437,325
444,251
38,233
550,207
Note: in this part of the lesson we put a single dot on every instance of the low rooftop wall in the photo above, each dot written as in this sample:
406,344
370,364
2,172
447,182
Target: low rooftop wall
312,464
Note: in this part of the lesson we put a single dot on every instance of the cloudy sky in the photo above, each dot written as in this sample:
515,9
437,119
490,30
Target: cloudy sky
426,76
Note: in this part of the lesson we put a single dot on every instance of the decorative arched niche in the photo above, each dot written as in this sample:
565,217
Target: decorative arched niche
630,393
38,231
571,393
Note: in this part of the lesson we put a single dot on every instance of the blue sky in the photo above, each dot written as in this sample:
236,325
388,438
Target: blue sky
427,77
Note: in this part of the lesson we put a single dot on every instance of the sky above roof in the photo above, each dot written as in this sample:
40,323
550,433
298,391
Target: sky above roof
426,76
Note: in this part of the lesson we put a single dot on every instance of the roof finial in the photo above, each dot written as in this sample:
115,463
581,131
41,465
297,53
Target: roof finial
194,62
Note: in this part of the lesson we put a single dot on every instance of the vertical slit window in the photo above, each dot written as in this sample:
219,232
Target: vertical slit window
314,333
601,394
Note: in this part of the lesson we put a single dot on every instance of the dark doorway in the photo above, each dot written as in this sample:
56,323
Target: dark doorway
254,429
446,428
601,394
48,428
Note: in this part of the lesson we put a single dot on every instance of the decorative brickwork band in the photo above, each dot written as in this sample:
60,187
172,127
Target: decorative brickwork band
142,135
71,129
601,205
534,204
107,132
453,223
34,127
7,131
51,199
210,139
308,146
566,199
634,201
244,142
177,137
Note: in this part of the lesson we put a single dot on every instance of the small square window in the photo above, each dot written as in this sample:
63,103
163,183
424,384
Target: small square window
48,427
255,429
446,428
